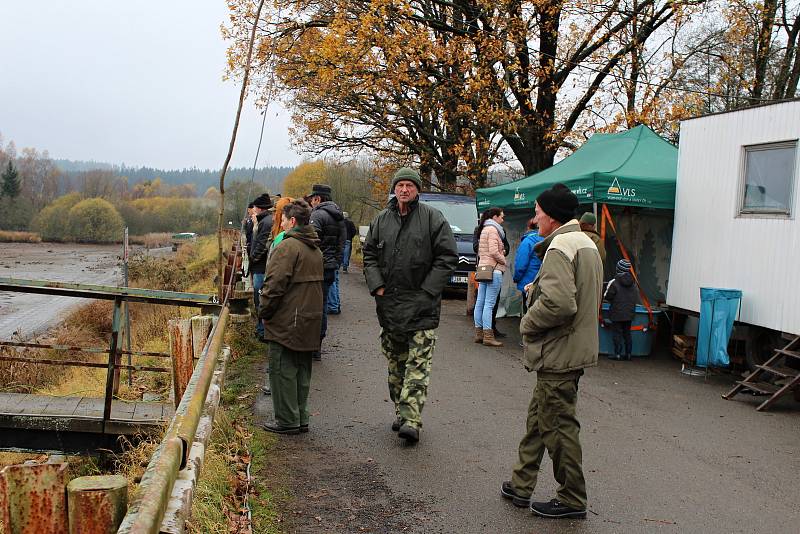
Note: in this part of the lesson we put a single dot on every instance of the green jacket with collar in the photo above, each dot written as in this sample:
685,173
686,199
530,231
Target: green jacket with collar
559,330
412,257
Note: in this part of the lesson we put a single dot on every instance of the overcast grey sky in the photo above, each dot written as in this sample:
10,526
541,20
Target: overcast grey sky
138,83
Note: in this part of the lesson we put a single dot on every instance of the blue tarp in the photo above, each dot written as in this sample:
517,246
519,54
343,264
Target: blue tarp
718,311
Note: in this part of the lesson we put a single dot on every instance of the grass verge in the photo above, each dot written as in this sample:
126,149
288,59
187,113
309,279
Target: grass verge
219,504
19,237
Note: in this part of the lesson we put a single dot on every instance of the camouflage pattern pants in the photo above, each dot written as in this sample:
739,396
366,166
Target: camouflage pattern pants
409,355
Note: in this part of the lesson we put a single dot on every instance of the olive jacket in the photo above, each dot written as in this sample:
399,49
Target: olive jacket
559,330
412,258
291,298
598,242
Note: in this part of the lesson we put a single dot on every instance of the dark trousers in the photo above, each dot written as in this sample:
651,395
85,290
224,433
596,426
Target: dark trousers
290,382
622,338
258,283
328,277
553,426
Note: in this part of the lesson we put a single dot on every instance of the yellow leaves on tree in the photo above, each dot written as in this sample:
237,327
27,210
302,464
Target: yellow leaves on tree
298,183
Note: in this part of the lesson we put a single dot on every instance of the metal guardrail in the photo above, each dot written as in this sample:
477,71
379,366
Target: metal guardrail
146,512
115,351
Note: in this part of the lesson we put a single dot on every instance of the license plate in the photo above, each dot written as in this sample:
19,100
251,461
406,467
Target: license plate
458,279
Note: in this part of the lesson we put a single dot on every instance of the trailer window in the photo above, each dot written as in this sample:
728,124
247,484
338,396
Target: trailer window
769,172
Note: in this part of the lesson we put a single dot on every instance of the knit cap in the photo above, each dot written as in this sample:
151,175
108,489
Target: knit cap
623,266
558,202
588,218
407,173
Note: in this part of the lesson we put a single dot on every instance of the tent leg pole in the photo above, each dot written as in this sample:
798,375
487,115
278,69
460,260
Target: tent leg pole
594,208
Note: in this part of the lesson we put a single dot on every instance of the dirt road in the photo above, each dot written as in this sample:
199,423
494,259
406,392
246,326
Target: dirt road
23,314
663,452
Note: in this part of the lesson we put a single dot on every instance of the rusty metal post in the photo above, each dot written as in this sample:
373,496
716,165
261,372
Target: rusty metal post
201,327
97,504
114,359
180,347
32,499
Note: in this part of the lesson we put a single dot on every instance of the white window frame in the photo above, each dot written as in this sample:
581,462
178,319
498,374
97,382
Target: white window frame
767,212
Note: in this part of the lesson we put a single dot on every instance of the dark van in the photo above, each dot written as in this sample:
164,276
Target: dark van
462,214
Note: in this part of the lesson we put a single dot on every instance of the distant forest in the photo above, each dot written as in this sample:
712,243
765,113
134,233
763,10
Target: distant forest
270,178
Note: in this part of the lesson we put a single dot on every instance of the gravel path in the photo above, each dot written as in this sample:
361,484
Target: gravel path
663,452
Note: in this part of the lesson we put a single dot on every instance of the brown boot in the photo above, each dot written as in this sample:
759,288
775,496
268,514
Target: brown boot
478,335
489,340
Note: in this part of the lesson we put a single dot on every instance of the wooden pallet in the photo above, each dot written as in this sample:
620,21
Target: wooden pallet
775,366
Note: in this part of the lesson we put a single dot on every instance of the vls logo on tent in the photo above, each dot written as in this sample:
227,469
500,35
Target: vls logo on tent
519,196
615,189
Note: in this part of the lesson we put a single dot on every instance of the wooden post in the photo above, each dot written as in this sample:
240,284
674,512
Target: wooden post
96,505
201,327
114,359
180,347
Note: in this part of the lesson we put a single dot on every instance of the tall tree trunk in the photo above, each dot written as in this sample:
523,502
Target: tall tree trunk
784,70
221,218
761,59
630,86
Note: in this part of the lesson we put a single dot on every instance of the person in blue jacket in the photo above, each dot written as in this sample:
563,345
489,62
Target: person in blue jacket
527,263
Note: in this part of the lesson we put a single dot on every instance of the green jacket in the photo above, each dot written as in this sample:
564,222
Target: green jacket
291,298
412,258
559,330
598,242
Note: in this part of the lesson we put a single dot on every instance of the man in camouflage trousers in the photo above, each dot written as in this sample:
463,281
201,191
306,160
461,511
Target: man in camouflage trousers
409,255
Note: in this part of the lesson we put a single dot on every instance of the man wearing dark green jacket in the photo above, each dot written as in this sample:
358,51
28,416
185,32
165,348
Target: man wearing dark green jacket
559,332
409,255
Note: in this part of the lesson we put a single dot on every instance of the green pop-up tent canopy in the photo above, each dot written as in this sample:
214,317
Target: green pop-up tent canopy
632,168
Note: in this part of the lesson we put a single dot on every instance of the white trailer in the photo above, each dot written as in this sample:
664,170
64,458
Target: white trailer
737,214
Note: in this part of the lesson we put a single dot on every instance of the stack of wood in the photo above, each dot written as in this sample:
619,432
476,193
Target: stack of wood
684,348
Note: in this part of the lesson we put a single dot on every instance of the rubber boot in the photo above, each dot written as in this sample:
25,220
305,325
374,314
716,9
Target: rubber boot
478,335
489,340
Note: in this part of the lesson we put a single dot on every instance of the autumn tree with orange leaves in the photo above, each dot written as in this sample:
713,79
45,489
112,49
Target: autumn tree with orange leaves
457,86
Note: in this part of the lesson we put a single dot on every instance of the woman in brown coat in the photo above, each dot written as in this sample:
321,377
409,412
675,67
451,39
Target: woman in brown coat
292,313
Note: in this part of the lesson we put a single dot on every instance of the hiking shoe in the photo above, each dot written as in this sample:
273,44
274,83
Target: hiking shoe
276,428
508,492
408,433
316,356
265,390
556,509
396,424
304,428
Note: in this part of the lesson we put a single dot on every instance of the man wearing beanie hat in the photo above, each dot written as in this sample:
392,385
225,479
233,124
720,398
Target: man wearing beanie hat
559,332
259,249
622,294
588,226
409,255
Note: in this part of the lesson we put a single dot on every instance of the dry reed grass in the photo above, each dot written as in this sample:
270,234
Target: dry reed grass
152,240
19,237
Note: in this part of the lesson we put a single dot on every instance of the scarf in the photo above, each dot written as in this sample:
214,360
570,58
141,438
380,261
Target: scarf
492,222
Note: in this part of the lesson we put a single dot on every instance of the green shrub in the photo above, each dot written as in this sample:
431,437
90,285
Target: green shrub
94,220
51,222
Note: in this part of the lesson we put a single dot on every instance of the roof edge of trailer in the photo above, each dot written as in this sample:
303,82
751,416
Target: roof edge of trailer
746,108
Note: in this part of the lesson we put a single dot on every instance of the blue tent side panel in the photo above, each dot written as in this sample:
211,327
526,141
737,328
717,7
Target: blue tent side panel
718,311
